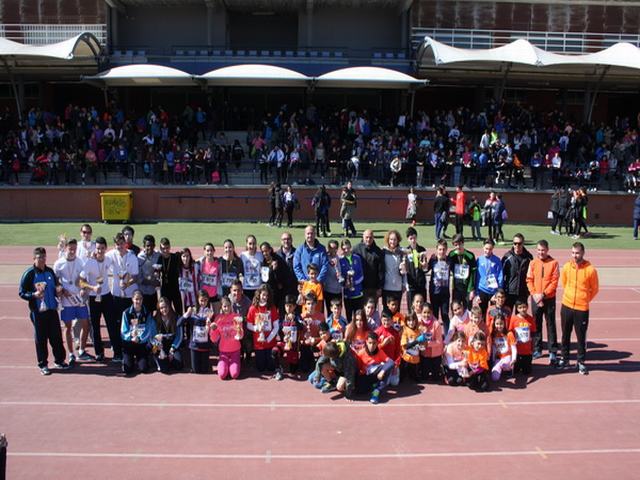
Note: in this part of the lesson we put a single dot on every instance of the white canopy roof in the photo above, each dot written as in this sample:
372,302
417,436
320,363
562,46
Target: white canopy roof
248,75
82,45
368,77
522,52
143,75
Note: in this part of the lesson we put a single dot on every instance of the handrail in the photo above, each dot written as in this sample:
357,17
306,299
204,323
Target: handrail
558,42
44,34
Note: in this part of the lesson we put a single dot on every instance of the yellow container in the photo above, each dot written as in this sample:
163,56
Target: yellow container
116,206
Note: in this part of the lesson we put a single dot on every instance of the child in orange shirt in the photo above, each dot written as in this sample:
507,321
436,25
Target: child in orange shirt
410,341
431,355
502,348
475,325
522,326
397,318
311,334
311,286
478,363
456,369
357,331
375,368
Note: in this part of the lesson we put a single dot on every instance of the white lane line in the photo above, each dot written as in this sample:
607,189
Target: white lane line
269,456
274,405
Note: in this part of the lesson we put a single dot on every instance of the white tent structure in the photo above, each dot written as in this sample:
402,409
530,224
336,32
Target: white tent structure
75,54
368,77
146,75
84,45
255,75
521,52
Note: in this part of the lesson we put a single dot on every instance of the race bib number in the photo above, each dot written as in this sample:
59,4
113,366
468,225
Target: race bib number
264,274
336,335
492,281
228,279
228,332
523,334
209,280
200,334
252,280
461,271
357,345
428,336
140,331
500,344
185,284
76,300
413,351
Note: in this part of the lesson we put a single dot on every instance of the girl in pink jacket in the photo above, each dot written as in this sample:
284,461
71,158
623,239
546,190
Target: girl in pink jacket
227,330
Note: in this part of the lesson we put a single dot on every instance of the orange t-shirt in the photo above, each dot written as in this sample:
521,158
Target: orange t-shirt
411,355
501,344
477,358
470,329
365,359
316,289
522,328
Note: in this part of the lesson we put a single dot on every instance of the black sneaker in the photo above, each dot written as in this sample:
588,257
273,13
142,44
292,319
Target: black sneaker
562,364
72,361
85,356
45,371
100,358
582,369
62,366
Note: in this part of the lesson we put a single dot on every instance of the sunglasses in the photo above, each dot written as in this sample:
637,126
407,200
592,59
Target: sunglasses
515,244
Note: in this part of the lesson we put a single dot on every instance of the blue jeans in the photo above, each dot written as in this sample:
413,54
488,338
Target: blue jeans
439,225
636,223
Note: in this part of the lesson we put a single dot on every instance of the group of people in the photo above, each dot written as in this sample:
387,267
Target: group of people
311,310
491,147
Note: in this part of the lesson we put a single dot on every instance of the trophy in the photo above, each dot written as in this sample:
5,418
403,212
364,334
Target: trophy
134,329
41,287
238,326
121,276
349,281
260,326
157,277
288,344
403,265
99,282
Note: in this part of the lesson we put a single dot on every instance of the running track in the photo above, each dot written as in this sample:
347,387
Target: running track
91,422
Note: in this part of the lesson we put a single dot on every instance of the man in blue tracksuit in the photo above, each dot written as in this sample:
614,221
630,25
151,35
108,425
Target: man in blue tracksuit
311,251
39,286
488,275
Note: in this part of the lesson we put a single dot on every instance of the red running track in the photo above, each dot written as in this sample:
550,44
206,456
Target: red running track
91,422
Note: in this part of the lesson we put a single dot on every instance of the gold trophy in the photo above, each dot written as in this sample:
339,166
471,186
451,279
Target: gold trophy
260,327
134,329
99,282
238,326
41,287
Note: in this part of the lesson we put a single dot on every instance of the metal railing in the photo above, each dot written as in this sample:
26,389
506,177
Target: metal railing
44,34
557,42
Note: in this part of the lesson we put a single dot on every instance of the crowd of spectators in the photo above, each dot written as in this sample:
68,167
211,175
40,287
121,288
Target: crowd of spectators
504,146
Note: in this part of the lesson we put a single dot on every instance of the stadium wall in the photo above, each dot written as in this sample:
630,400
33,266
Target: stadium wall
247,203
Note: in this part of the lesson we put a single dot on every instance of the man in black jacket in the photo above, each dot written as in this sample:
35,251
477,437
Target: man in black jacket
40,286
372,265
441,206
515,264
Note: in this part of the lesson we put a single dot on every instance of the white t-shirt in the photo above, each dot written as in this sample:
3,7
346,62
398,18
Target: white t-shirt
68,272
252,264
123,264
93,269
85,249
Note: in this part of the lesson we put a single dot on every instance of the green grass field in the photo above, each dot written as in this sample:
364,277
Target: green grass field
195,234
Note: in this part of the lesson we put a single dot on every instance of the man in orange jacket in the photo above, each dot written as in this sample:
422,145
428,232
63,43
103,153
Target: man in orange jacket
580,283
542,281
